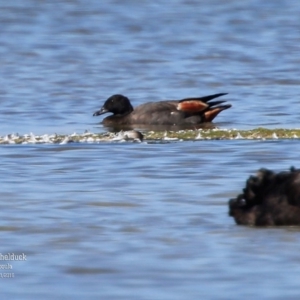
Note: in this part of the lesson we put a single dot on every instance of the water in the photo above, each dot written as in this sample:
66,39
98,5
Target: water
143,220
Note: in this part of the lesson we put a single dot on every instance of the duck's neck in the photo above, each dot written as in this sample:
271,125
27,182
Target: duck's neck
126,112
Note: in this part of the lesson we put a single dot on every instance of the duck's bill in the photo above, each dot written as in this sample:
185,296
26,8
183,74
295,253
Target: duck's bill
100,112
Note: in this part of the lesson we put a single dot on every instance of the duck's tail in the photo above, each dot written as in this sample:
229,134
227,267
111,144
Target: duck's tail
212,112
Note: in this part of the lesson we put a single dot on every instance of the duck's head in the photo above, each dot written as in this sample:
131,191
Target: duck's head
116,104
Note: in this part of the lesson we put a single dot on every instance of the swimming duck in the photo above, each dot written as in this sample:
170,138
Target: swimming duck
268,199
189,111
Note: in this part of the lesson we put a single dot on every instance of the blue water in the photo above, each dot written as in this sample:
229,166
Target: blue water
143,220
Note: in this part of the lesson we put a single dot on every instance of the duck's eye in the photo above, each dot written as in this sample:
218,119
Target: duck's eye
242,202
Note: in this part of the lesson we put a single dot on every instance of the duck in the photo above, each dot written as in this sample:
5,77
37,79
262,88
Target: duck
269,199
184,112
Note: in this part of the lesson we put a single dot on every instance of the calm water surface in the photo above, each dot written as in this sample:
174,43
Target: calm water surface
143,220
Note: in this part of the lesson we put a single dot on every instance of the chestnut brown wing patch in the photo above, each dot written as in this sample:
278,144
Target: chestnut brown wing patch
192,106
211,113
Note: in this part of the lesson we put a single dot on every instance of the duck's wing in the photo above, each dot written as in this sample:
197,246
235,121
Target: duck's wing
201,104
204,99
